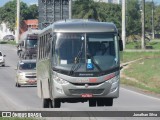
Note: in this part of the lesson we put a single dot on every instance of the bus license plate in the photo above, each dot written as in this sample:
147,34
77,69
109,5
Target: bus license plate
86,95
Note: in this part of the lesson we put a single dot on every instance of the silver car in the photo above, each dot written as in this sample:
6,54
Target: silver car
26,73
8,37
2,59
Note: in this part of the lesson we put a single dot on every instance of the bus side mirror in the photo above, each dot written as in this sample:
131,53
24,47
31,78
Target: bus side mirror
120,45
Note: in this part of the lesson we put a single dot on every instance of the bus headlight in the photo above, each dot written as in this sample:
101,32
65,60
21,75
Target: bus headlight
115,79
60,80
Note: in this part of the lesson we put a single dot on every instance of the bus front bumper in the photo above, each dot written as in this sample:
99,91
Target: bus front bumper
107,89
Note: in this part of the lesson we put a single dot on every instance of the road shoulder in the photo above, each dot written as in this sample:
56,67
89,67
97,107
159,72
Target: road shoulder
141,91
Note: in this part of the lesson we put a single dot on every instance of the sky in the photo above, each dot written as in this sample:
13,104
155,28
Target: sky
29,2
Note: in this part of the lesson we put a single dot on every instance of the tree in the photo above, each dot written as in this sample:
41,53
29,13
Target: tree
157,18
110,13
84,9
133,17
101,11
33,12
8,13
148,17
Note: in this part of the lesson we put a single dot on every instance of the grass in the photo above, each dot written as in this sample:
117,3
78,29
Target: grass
146,71
133,45
128,56
8,42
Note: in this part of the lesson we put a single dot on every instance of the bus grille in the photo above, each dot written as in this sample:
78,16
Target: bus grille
30,76
86,91
82,84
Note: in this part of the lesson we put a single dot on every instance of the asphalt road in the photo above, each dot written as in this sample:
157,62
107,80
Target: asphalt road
26,99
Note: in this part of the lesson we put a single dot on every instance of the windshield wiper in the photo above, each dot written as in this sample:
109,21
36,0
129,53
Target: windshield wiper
77,60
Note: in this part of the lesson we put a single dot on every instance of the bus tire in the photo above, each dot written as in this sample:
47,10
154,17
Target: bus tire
47,103
100,102
92,103
56,103
109,102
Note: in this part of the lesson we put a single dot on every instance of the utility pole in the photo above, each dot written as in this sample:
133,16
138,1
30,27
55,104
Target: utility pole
152,20
70,9
124,23
18,21
143,25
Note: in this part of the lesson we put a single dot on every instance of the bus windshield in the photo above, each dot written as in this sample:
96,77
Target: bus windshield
31,43
77,48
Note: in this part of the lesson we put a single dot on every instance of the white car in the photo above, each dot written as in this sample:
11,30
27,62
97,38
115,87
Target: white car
2,59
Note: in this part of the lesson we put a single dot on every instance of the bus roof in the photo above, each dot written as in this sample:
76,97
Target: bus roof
81,25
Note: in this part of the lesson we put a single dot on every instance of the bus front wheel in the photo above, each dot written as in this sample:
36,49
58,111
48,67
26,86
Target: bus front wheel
47,103
109,102
105,102
92,103
56,103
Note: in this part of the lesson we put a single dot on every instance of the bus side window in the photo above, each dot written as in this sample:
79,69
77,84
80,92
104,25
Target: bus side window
53,52
49,39
53,44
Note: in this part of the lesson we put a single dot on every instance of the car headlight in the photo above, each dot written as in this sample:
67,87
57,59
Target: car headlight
21,74
60,80
2,59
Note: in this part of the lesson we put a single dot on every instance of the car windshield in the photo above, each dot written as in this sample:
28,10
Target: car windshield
31,43
0,54
100,50
27,66
10,35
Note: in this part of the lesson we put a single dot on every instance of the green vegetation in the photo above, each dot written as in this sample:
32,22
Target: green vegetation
137,45
8,42
101,11
129,56
106,12
8,13
145,71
